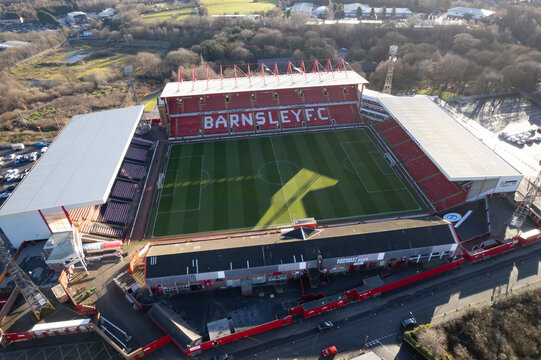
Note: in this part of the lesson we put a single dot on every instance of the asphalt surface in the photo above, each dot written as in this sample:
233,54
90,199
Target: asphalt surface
379,318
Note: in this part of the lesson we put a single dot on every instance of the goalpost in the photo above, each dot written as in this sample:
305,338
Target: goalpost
390,159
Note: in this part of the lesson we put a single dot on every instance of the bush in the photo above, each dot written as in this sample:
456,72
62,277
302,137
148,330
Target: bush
48,18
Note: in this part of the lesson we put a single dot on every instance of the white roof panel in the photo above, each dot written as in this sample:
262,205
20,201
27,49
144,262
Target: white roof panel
81,164
260,83
457,152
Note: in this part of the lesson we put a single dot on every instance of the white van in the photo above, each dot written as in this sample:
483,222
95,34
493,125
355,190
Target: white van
17,146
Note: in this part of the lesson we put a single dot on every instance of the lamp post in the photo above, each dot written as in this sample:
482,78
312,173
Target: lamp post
42,136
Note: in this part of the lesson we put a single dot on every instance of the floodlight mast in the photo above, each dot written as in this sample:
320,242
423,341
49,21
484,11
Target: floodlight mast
32,295
393,50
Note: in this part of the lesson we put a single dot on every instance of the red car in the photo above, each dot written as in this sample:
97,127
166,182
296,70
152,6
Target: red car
330,351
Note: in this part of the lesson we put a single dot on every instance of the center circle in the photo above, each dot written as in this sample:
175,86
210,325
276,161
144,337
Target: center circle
277,172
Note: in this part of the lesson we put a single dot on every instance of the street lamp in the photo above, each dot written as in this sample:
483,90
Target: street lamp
42,136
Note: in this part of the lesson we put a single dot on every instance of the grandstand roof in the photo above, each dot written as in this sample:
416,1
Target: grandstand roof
458,153
260,83
80,166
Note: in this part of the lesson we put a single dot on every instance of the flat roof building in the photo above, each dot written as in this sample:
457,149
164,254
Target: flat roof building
221,263
77,171
469,13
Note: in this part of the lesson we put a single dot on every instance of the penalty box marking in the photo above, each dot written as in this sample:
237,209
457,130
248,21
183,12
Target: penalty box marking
357,172
178,170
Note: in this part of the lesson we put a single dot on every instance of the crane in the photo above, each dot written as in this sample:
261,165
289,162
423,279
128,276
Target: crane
393,50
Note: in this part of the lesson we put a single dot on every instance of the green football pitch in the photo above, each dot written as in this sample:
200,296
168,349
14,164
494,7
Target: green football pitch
265,182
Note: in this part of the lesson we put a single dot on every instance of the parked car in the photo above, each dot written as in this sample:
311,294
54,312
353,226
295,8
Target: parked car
5,194
326,325
18,159
26,157
409,323
42,143
330,351
12,156
17,146
33,156
43,150
11,188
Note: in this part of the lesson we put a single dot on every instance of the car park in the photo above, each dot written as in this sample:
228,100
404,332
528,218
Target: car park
325,325
330,351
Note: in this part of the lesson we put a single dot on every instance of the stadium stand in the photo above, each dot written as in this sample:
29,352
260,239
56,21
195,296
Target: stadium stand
263,99
268,125
136,154
186,126
451,201
336,94
421,167
322,120
103,230
289,97
438,187
186,105
350,93
242,121
292,118
314,95
116,213
396,135
343,114
386,125
238,101
213,102
141,143
132,171
407,151
80,214
124,190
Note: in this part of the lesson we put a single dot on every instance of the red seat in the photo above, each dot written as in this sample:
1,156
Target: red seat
263,99
421,168
336,93
291,118
186,126
289,97
239,100
314,95
407,151
343,114
438,187
267,119
317,116
242,121
396,135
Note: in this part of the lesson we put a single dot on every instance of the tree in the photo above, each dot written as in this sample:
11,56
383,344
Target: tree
147,64
372,13
359,12
48,18
384,11
203,11
464,42
393,12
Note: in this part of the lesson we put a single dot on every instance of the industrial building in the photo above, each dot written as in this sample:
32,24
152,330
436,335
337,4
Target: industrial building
469,13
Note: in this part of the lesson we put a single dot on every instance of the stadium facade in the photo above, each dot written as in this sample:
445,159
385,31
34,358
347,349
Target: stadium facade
247,261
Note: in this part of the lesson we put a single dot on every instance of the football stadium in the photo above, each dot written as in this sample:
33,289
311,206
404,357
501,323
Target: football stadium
264,182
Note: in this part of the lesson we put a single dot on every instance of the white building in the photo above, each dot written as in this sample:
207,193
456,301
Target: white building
77,17
350,11
77,171
302,8
469,13
106,13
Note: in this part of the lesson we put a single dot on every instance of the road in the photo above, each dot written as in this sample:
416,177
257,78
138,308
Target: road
379,318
